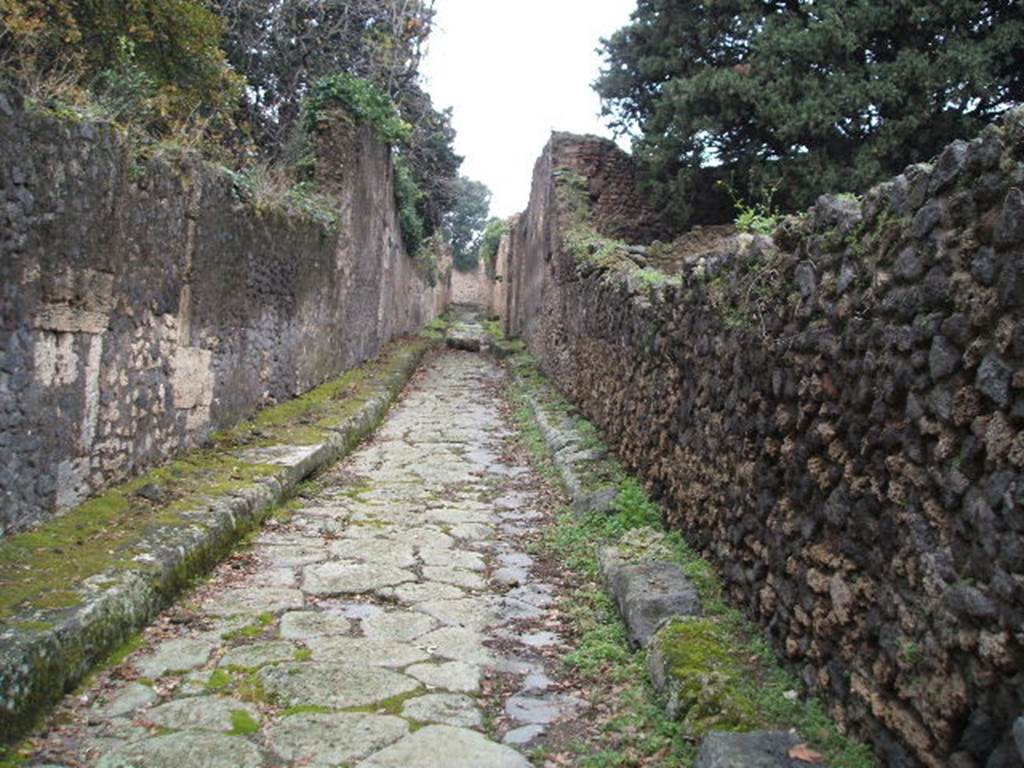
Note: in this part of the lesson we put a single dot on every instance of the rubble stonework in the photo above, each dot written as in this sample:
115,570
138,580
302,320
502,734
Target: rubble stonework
834,415
147,303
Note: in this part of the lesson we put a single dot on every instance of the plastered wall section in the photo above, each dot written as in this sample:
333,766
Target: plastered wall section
147,303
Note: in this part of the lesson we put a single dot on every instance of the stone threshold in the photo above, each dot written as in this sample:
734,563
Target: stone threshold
46,650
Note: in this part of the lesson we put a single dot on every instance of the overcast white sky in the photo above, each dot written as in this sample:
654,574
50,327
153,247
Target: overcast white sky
515,71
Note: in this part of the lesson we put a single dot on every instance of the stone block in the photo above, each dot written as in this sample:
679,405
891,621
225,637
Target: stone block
755,749
648,593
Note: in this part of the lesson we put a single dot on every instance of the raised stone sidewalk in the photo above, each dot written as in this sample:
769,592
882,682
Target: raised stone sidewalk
360,631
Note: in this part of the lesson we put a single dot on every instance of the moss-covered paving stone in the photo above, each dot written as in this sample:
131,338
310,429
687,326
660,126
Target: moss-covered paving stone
203,713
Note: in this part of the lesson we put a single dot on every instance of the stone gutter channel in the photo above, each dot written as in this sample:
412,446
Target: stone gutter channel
650,593
45,653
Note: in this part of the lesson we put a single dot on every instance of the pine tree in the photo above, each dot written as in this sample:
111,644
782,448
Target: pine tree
808,97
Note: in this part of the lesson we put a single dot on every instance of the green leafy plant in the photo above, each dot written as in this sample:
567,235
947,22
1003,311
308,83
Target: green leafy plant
364,100
491,239
760,217
408,199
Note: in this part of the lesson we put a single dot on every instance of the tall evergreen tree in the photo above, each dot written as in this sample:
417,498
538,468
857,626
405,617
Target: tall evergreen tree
466,221
807,95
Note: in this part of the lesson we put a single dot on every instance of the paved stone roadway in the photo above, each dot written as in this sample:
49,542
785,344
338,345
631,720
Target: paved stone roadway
358,639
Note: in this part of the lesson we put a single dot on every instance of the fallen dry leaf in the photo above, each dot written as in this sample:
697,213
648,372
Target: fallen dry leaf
805,754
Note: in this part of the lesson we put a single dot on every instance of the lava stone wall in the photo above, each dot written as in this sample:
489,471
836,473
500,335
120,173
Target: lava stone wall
146,303
834,416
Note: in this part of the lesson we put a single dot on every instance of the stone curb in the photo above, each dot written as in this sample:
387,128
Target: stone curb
571,457
648,593
38,666
625,583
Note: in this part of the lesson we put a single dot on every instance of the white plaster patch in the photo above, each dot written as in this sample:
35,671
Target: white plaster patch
55,359
91,407
192,380
72,482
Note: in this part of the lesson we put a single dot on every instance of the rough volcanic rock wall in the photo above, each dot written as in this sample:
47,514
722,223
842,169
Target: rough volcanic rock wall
145,304
834,416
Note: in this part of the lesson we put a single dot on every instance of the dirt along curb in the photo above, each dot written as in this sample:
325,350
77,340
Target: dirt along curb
55,629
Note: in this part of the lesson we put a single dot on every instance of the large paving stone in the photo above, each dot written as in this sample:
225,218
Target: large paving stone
185,748
174,656
444,708
756,749
647,593
302,625
442,745
375,551
255,655
398,626
366,651
200,713
351,578
470,338
457,643
460,577
126,700
292,556
328,740
542,709
338,686
455,676
471,612
254,600
423,592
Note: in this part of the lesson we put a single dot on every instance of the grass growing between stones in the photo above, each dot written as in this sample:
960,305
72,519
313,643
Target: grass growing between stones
730,672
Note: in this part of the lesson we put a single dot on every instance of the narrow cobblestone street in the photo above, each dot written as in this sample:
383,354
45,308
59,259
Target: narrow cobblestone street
361,629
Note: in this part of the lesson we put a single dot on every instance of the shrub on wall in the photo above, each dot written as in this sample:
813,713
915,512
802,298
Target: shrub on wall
363,100
156,64
491,239
408,198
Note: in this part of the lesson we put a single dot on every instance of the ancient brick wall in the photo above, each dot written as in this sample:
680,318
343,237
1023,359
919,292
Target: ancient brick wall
470,287
146,303
834,416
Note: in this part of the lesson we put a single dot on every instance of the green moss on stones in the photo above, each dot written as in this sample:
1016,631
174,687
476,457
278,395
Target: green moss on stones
219,680
391,706
707,676
243,723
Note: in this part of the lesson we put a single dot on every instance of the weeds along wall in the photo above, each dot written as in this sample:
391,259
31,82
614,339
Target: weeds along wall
834,415
147,303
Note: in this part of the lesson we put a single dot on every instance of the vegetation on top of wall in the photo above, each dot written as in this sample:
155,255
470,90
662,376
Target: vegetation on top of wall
428,259
270,188
490,240
360,98
242,82
408,199
758,216
592,250
155,65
